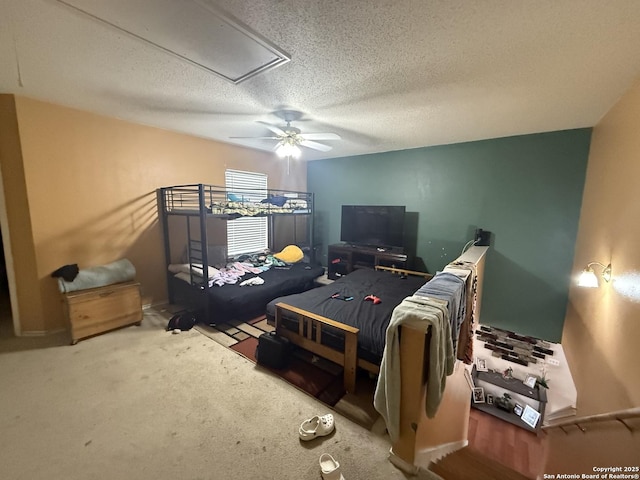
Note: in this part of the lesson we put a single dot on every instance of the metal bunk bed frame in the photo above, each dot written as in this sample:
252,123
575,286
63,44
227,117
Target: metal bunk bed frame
204,201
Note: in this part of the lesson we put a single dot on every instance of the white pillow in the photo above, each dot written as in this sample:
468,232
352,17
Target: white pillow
184,276
197,269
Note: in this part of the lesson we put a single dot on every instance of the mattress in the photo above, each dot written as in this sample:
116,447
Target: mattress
238,302
371,319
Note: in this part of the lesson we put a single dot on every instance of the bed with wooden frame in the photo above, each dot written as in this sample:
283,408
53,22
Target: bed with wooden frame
420,440
350,333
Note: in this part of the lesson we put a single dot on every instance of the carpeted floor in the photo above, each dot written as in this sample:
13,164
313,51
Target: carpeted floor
142,403
315,376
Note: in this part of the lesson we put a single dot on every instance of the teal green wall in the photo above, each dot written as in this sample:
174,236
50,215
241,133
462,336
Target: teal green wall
526,190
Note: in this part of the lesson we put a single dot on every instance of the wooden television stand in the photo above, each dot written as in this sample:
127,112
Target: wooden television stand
343,259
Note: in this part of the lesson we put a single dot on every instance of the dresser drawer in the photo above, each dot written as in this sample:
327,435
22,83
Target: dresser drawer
99,310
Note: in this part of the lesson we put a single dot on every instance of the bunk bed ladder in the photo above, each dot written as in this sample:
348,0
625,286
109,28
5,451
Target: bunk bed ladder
197,251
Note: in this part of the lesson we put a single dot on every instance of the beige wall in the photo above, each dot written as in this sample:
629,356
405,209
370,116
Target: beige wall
90,184
601,333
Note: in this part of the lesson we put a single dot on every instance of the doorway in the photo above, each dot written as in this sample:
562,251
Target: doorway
6,319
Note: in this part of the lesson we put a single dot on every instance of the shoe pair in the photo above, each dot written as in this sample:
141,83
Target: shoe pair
330,468
320,426
317,426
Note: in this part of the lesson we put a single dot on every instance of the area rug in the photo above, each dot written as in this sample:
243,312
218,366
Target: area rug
316,376
325,384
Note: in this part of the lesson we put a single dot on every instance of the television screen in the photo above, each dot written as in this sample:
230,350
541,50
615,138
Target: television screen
377,226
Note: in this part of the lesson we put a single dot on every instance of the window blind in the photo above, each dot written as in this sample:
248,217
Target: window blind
246,235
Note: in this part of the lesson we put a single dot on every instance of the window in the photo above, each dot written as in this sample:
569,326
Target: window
246,235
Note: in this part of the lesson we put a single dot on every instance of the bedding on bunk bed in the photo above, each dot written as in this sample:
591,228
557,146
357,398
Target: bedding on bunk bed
372,319
248,301
234,203
247,297
267,206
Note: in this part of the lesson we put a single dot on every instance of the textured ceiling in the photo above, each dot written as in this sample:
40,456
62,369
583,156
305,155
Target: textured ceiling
384,75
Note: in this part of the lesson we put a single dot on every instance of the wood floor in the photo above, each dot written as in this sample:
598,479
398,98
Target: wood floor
497,450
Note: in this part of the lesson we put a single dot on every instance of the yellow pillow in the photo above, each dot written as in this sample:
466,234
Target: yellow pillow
290,254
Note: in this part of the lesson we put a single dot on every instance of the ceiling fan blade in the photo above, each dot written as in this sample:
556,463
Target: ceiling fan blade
320,136
260,138
316,145
273,128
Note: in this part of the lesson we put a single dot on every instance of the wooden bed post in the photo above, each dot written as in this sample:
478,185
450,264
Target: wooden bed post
412,367
350,361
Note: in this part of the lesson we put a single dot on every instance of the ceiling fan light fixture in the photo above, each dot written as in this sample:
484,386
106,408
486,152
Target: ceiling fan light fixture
288,149
291,139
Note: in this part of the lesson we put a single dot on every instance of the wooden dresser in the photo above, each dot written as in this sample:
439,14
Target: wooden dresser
98,310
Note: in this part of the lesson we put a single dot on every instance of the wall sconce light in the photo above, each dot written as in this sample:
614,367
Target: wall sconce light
588,277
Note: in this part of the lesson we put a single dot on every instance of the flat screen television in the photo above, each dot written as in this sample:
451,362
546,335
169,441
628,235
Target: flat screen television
373,225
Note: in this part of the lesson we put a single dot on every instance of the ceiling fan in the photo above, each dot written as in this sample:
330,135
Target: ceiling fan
290,139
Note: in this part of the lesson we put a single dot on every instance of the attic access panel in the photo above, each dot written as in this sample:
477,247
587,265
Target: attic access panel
193,30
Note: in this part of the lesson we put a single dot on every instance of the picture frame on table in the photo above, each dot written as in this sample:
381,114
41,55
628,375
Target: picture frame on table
530,381
489,399
530,416
478,395
481,364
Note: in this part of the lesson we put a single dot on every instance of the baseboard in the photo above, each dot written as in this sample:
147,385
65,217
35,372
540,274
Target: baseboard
406,467
433,454
164,306
402,464
146,306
